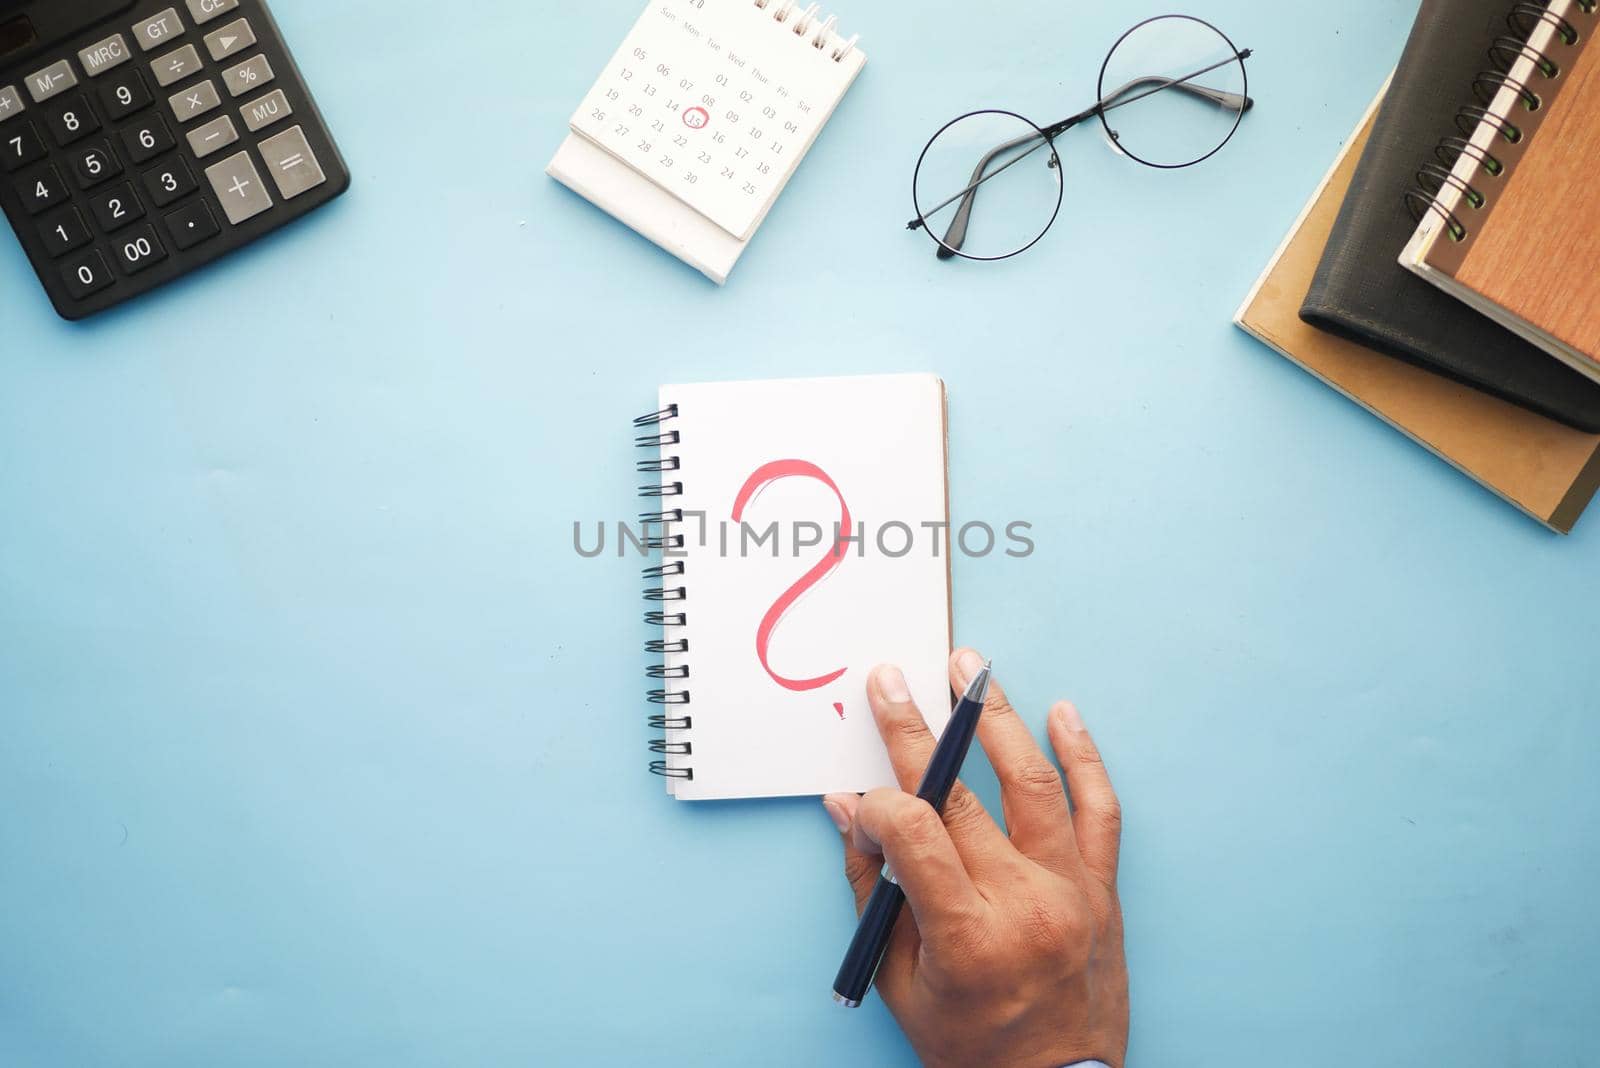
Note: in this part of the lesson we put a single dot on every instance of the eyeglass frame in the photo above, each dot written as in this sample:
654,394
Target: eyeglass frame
1048,134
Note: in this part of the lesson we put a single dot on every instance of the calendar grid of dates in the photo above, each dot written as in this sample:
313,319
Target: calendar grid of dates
716,105
163,141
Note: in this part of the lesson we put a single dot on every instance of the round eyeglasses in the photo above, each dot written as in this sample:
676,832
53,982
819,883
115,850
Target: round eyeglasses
1171,93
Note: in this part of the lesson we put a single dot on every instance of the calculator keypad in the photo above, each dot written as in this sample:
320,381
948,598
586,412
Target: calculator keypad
149,146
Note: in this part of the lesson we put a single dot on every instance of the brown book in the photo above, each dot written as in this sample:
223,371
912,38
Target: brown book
1510,228
1547,469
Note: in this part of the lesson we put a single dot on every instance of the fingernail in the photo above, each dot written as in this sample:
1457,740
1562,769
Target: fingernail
969,664
892,685
836,812
1067,713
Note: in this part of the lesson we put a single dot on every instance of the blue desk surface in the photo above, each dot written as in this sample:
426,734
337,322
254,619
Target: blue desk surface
321,746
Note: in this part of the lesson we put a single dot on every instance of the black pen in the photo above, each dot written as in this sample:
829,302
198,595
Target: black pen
866,950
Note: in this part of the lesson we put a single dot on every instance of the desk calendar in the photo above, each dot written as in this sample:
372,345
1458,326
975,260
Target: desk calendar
701,118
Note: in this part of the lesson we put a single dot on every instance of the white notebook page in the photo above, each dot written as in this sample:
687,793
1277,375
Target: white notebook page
717,101
772,729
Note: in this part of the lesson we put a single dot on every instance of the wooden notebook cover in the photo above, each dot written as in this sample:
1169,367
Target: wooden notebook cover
1545,468
1536,253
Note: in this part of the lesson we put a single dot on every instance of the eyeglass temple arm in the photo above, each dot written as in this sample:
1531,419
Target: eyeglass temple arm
1113,99
956,235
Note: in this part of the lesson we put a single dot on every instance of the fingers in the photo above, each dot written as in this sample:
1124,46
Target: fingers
860,867
910,744
1030,787
1096,812
912,838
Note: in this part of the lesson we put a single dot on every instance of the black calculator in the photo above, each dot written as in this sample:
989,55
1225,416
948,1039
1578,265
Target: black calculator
141,139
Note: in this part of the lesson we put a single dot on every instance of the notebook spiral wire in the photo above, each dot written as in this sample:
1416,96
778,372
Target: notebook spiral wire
1433,178
808,24
666,592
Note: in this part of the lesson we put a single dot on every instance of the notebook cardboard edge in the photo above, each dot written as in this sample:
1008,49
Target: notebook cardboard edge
1571,454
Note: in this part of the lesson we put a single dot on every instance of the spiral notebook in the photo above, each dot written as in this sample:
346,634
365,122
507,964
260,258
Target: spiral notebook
700,119
1510,226
803,532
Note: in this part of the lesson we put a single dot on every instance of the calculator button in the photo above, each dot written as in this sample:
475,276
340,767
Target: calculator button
41,188
152,32
74,122
138,249
192,224
102,56
253,73
86,275
125,94
264,111
203,11
10,102
293,165
54,80
195,101
175,66
19,146
63,231
169,183
235,37
117,208
95,164
238,186
213,137
147,140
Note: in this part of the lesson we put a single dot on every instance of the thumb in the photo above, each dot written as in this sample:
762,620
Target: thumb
860,867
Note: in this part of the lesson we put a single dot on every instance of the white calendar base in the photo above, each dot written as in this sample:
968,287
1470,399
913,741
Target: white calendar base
597,175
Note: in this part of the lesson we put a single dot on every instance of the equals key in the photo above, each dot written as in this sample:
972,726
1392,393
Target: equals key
293,165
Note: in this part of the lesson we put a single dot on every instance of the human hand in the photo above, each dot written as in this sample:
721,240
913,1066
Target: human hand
1012,954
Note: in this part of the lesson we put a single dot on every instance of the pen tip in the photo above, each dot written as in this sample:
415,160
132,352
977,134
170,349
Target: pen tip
978,686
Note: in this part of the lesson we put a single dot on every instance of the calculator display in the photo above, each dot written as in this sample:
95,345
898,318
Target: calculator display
16,33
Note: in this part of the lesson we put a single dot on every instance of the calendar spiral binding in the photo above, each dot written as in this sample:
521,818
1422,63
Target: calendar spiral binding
1515,131
668,595
826,37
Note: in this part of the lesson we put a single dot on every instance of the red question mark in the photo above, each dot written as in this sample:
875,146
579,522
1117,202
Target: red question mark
763,477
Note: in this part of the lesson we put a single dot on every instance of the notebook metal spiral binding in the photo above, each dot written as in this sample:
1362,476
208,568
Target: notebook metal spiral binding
1512,128
809,25
664,587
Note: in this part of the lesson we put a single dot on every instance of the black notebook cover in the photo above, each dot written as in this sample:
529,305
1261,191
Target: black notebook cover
1360,290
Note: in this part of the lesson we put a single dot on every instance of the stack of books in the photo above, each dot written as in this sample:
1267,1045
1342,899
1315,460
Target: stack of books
1440,274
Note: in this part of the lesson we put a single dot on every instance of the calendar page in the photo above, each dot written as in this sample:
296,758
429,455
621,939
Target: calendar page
717,101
